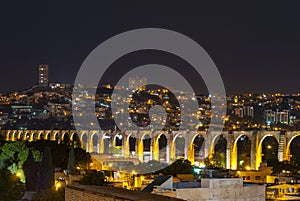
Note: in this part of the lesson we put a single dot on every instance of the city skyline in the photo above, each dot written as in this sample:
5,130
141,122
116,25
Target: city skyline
255,47
143,100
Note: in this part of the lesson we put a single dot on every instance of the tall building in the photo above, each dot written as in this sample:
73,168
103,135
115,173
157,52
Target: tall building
43,75
245,111
277,116
248,111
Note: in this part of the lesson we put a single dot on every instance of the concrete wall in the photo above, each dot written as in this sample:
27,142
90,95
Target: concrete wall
223,190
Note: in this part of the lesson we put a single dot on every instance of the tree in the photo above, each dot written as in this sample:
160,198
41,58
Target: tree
180,166
12,157
46,173
93,178
218,160
60,153
31,168
82,158
71,161
2,140
10,186
50,195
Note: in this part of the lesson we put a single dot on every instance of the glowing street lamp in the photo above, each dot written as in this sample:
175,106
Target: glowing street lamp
19,174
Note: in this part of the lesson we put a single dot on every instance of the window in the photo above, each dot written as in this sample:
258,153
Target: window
257,177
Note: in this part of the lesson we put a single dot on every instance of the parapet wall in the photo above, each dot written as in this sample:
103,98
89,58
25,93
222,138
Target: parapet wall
223,190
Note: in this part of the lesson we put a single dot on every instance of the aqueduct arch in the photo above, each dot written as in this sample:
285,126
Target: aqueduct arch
105,140
259,148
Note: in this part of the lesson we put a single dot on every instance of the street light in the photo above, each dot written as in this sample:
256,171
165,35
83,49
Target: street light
19,174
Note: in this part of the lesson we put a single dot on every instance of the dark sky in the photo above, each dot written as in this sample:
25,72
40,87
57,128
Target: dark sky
255,46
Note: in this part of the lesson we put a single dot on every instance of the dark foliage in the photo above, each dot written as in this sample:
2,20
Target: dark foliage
180,166
93,178
31,169
10,186
46,173
71,162
50,195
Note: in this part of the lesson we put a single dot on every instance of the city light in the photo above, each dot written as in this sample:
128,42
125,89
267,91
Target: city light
58,185
19,174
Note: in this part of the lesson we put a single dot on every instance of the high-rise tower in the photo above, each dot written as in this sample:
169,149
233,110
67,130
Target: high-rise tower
43,75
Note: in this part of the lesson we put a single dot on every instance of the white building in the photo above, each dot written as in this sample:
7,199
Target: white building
277,116
245,111
221,189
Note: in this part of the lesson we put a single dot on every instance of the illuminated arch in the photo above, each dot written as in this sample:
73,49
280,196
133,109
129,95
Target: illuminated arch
48,136
160,149
56,137
175,152
27,136
21,135
76,141
84,140
288,147
259,150
143,157
130,144
65,138
8,136
41,136
118,143
33,136
192,152
234,152
94,145
105,143
212,145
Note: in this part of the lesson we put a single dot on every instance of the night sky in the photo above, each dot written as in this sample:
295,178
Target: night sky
256,47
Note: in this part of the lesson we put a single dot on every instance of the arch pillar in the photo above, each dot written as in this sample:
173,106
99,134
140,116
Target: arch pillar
258,153
290,136
229,148
253,151
126,146
102,145
168,153
12,137
233,156
172,155
155,148
31,137
190,155
140,149
186,148
90,142
136,146
281,146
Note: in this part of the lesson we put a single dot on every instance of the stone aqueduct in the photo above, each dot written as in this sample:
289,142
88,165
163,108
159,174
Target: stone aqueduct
98,142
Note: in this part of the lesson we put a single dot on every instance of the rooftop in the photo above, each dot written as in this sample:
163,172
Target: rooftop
121,193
